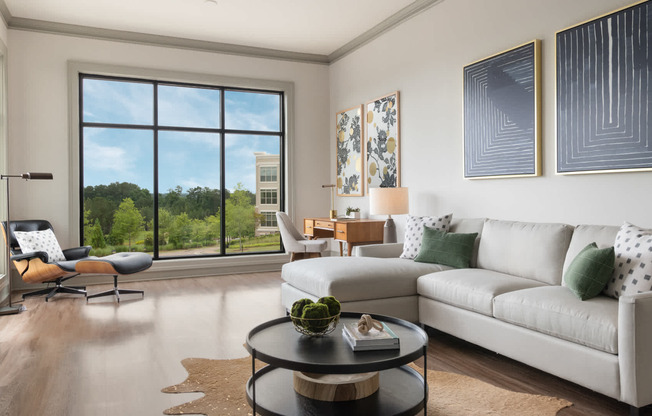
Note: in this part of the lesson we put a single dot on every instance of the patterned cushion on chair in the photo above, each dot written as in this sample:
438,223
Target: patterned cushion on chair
45,240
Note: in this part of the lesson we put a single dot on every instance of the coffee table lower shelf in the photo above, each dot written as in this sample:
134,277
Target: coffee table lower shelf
401,392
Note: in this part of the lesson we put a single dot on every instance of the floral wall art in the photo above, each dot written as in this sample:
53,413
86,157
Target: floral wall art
348,128
382,138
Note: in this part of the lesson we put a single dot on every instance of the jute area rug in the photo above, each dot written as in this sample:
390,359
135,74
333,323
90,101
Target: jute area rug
223,383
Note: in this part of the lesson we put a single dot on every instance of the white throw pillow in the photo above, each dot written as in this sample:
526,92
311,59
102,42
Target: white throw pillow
31,241
633,268
414,232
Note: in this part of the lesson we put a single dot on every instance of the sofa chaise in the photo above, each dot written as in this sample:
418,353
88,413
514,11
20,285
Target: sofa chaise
511,300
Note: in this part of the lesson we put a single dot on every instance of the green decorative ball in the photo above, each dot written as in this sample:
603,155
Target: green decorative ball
332,303
297,307
311,315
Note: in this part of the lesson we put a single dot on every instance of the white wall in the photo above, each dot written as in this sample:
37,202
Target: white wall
423,59
39,114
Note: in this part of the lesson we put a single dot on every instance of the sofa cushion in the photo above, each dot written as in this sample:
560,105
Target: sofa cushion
554,310
414,232
603,235
531,250
472,289
449,249
357,278
589,272
633,266
467,226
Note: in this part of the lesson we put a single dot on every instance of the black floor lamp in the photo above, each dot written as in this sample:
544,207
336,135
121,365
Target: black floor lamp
13,309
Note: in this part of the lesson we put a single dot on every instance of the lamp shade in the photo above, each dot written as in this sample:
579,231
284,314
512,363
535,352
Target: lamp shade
388,201
38,176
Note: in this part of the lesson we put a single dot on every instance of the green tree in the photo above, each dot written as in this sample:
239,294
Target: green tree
212,228
127,221
97,236
165,221
241,216
202,202
103,201
87,225
101,208
181,230
174,201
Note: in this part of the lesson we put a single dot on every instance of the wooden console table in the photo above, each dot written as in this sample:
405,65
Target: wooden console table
352,231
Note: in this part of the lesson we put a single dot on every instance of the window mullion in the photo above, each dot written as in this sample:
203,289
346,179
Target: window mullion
222,176
155,218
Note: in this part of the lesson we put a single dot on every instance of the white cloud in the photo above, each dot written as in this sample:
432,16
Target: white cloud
106,158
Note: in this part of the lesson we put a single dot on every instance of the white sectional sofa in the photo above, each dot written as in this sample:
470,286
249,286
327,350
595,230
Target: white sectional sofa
512,301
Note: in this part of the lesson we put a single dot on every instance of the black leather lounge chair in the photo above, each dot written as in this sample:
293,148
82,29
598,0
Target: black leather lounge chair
36,266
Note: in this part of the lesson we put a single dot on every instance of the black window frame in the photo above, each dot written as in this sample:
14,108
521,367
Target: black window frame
222,131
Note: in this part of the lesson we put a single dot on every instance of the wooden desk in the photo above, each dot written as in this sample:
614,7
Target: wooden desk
352,231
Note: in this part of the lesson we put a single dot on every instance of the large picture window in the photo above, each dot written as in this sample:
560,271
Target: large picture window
171,168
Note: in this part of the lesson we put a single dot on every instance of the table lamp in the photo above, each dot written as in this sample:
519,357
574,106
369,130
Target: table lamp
388,201
13,309
333,213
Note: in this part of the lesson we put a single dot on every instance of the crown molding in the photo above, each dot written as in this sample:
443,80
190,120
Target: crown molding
34,25
391,22
4,12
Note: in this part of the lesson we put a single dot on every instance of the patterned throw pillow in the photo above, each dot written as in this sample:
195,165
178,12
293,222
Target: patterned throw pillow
414,232
633,268
31,241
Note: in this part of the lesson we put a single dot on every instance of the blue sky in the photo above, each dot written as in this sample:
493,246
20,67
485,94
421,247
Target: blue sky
186,159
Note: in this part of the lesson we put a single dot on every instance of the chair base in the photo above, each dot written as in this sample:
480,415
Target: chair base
115,291
301,256
58,288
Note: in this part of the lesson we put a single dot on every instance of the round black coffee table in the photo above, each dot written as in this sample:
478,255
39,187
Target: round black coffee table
403,391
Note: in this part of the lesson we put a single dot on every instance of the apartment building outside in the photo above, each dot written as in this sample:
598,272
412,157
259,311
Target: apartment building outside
267,192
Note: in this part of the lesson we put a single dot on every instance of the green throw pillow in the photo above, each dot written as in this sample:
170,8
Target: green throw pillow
449,249
590,270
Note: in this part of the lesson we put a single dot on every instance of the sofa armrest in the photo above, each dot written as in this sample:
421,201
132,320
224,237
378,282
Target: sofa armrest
634,346
379,250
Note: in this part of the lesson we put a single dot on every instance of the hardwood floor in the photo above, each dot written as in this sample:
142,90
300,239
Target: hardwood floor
70,358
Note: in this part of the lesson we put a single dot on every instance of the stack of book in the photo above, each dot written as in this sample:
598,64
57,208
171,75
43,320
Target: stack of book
373,340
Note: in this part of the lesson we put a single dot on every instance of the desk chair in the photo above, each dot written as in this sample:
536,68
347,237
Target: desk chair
295,243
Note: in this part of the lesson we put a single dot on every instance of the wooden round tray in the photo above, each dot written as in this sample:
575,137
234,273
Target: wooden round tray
336,387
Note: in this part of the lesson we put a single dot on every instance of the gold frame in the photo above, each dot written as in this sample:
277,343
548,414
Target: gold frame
359,108
397,138
537,114
587,172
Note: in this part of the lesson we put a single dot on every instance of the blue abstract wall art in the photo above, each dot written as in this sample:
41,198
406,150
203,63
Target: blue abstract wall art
501,114
604,93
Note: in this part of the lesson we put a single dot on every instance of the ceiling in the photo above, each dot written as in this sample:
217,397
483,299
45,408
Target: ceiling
319,27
